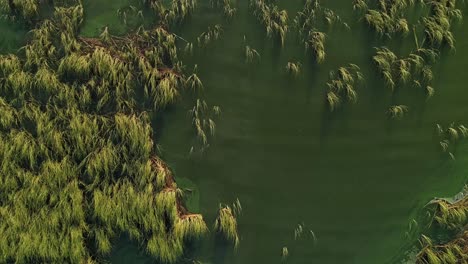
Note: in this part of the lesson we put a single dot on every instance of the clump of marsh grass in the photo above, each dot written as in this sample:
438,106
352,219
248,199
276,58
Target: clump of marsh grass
294,68
450,252
451,216
387,19
284,253
273,19
26,9
193,81
397,111
301,229
342,86
190,226
437,27
414,69
226,6
251,54
450,136
203,121
307,22
212,34
315,41
226,224
131,16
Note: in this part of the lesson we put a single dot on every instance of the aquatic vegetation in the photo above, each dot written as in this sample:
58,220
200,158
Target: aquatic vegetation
293,68
387,19
450,136
193,81
251,54
451,252
78,166
416,68
360,5
308,20
212,34
312,14
299,232
227,7
226,224
342,85
203,121
284,253
131,16
173,11
315,42
452,215
397,111
273,19
190,226
27,9
437,27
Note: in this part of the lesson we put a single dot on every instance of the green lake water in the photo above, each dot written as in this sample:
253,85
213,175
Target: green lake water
354,177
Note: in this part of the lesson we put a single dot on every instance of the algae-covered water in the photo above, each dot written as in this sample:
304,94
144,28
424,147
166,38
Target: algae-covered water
353,177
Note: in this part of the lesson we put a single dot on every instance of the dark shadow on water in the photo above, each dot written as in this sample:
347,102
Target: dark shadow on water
159,119
223,249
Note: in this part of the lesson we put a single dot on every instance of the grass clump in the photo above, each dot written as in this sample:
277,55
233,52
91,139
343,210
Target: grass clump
415,69
450,136
397,111
227,6
226,222
203,122
273,19
342,86
447,215
294,68
308,21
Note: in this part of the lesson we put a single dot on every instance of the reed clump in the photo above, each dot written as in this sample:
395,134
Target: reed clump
212,34
388,17
448,215
450,136
294,68
437,26
227,6
251,54
415,70
311,22
342,86
203,122
226,224
397,111
273,19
